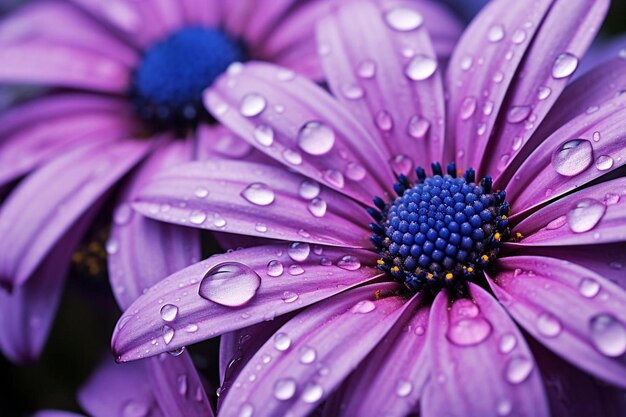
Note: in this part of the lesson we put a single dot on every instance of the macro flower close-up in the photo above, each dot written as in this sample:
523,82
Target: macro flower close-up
406,218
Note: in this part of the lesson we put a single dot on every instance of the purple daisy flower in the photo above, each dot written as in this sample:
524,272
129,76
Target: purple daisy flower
417,311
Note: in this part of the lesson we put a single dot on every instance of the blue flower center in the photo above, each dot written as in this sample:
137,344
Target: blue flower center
441,231
168,84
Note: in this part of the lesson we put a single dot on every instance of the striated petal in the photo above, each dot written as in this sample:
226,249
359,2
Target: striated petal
51,64
390,380
481,361
256,200
55,413
45,205
381,65
270,281
205,13
587,147
571,310
312,353
593,215
27,313
297,123
118,388
564,36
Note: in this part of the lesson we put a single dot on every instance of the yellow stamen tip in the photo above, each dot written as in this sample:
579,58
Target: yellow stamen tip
485,258
380,262
449,276
470,269
395,269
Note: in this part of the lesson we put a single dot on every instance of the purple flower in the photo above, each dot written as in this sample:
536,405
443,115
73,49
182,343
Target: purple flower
125,82
417,311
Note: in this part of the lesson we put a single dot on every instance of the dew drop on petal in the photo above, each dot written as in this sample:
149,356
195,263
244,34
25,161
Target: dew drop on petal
135,408
289,296
307,355
230,284
275,268
557,223
363,307
352,91
355,171
418,127
518,369
252,105
507,343
504,407
349,263
312,393
334,178
572,157
518,114
292,156
191,328
309,189
112,246
282,342
295,270
246,410
403,19
168,334
519,36
420,67
585,215
259,194
564,65
467,332
589,287
468,107
169,312
383,120
284,389
543,92
366,69
317,207
608,335
403,387
496,33
299,251
401,164
123,214
201,192
548,325
316,138
197,217
604,162
264,134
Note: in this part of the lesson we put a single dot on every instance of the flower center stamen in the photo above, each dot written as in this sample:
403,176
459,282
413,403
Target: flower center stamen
168,84
440,231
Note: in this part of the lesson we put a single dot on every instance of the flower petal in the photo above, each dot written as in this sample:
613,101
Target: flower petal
28,312
256,200
47,63
314,352
397,95
291,276
205,13
390,380
571,310
481,361
45,205
593,215
118,387
296,122
55,413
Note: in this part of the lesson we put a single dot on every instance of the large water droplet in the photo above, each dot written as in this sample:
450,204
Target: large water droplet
518,369
608,335
169,312
564,65
572,157
589,287
403,19
312,393
317,207
363,307
259,194
282,342
230,284
349,263
420,67
284,389
316,138
468,332
252,105
275,268
299,251
548,325
264,134
585,215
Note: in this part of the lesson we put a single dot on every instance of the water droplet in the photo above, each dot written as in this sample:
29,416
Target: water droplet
383,120
518,114
504,407
201,192
312,393
252,105
420,67
352,91
112,246
518,369
366,69
519,36
182,385
219,221
289,296
585,215
466,62
608,335
403,388
274,268
334,178
468,107
557,223
589,287
549,325
401,164
564,65
197,217
418,127
543,92
317,207
123,214
191,328
572,157
260,227
246,410
611,199
355,171
309,189
496,33
604,162
285,74
295,270
403,19
507,343
316,138
264,134
168,334
293,157
135,408
259,194
299,251
349,263
230,284
169,312
467,332
363,307
307,355
282,342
